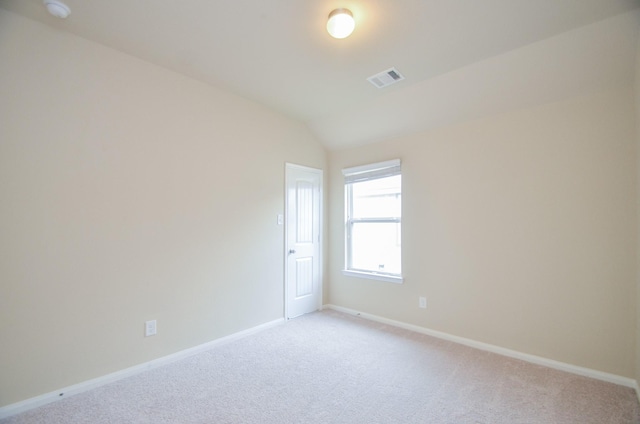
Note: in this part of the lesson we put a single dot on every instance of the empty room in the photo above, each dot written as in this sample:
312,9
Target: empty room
283,211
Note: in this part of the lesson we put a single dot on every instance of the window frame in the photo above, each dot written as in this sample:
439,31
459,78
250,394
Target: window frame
364,173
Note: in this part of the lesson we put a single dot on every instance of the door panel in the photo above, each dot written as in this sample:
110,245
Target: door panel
304,212
303,262
304,277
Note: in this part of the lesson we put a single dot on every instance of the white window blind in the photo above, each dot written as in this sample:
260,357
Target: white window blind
371,171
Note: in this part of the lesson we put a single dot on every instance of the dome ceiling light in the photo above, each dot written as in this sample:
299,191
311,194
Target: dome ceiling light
340,23
57,8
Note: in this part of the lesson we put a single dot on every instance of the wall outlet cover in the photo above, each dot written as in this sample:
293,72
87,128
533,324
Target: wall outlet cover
150,328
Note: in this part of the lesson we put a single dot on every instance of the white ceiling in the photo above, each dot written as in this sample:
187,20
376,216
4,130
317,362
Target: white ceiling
462,59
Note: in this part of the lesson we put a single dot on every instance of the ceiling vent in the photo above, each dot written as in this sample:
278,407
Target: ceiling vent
386,78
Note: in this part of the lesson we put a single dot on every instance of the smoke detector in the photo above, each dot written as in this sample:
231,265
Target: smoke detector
57,8
386,78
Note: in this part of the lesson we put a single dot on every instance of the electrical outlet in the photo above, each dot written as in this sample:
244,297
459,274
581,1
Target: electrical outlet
422,302
150,328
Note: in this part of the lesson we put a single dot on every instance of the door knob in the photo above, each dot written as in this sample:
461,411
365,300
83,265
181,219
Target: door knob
292,251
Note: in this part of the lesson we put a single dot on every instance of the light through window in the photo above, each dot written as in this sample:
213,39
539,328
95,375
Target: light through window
373,221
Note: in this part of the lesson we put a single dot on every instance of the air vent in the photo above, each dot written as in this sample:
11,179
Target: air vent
386,78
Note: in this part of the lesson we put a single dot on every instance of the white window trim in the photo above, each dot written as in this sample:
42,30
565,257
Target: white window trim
364,173
398,279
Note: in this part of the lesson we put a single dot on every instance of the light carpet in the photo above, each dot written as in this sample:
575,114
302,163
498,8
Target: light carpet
329,367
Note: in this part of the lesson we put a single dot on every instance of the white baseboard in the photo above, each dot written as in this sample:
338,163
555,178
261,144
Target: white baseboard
562,366
25,405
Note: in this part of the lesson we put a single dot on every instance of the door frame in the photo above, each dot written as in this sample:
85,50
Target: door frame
320,172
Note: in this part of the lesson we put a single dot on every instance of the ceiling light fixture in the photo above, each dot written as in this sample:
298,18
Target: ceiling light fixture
57,8
340,23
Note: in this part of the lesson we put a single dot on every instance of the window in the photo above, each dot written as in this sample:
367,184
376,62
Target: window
373,199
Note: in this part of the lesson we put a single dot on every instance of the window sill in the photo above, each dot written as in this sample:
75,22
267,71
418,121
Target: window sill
374,276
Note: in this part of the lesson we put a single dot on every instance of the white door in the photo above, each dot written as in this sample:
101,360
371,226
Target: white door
303,286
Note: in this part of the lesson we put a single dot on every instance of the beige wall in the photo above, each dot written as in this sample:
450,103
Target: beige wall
129,193
637,116
519,229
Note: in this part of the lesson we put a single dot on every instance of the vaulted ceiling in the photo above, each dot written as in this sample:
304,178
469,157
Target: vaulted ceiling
462,59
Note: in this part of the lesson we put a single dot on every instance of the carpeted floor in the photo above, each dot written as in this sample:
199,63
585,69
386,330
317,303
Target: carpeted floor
328,367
